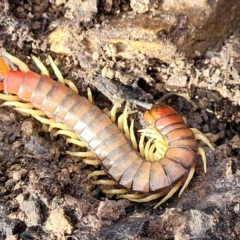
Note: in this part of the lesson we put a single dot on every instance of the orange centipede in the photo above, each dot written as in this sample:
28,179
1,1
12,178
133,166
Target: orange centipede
141,180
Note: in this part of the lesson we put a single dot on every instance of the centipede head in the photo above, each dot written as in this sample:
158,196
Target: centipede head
147,116
154,111
157,111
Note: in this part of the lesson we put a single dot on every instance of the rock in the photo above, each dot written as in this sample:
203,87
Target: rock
58,223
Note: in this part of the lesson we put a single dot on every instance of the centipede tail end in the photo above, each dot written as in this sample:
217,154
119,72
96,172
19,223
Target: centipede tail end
3,72
4,69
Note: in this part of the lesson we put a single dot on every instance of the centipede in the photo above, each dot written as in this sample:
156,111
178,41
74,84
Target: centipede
158,170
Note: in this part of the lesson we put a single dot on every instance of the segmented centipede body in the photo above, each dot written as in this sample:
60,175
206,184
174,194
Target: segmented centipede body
114,151
181,154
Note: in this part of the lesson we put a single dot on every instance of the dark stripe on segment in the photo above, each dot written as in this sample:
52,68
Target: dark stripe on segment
119,166
172,126
81,113
94,127
184,142
166,120
54,97
50,93
89,115
102,135
128,175
179,133
22,85
70,119
67,103
27,85
167,116
141,178
41,90
115,154
185,156
109,144
158,179
173,170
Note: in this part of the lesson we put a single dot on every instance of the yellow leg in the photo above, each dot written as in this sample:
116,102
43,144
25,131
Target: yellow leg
115,191
32,112
105,182
89,94
76,142
44,120
169,195
96,173
9,97
114,110
140,197
200,136
40,65
147,149
203,155
66,132
190,176
132,135
120,121
93,162
80,154
57,125
141,145
60,77
15,103
21,65
151,154
155,147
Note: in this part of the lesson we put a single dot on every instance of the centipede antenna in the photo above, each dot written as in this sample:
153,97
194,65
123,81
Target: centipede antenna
170,94
141,104
40,65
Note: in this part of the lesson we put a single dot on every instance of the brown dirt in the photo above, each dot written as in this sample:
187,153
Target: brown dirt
45,194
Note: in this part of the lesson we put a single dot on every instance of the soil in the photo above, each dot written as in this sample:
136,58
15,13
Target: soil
45,193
